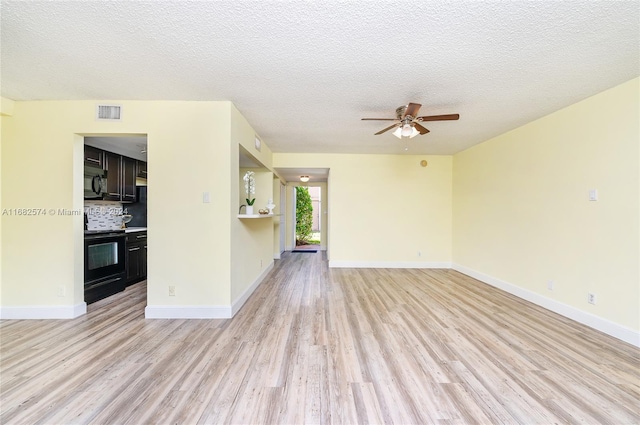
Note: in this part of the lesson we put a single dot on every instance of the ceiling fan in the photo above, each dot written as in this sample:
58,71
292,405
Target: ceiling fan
409,123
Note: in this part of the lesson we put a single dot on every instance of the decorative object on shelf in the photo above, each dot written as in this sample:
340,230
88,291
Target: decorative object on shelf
263,211
250,189
126,217
271,206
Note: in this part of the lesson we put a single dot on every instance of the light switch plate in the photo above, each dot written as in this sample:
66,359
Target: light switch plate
206,197
593,194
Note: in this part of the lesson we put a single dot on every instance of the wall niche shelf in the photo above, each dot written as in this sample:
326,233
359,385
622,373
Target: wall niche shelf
243,216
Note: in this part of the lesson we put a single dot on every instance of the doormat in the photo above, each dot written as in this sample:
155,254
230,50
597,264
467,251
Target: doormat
305,250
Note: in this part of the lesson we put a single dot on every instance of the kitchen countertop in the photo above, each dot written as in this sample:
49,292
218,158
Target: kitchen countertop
135,229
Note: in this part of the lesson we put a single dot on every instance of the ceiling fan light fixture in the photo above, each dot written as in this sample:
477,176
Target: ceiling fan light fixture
406,130
407,120
304,179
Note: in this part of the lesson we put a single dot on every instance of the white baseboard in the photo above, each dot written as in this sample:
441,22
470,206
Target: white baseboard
205,311
79,309
610,328
238,303
390,264
43,312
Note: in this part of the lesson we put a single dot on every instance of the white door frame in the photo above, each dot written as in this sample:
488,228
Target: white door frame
283,209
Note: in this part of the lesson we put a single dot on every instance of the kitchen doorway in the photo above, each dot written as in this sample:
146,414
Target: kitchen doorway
116,205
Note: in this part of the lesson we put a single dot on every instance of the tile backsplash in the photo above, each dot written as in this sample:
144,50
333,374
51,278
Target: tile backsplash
103,215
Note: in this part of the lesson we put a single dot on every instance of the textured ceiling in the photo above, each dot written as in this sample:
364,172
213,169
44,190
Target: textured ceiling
304,73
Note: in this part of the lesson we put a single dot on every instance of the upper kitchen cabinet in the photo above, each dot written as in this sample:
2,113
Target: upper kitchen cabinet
142,169
113,165
128,179
121,178
93,156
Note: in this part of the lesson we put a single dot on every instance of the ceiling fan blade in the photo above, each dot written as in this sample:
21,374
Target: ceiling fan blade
420,128
412,109
386,129
379,119
439,117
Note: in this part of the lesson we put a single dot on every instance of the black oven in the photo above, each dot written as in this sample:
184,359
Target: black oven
104,264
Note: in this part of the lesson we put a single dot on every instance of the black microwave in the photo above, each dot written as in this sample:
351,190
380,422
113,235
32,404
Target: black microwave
95,182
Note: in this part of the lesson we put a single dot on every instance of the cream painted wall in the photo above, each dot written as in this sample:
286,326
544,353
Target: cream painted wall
6,109
385,209
276,220
324,214
290,219
6,106
521,212
252,239
189,152
37,172
187,158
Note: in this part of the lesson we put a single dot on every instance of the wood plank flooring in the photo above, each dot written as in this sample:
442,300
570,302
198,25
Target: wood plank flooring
316,345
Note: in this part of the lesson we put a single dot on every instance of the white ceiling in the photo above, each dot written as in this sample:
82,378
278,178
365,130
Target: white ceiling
131,146
304,73
316,175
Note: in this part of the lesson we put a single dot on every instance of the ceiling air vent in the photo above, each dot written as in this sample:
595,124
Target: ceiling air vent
109,112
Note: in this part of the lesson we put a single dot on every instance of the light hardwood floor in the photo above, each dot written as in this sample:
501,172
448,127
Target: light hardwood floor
319,345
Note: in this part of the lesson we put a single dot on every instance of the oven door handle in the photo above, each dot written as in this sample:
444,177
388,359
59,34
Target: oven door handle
106,282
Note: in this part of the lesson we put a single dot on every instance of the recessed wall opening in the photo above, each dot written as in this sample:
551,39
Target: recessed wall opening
115,214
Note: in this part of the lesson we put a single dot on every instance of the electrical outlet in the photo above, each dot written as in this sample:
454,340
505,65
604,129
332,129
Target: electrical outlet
591,298
419,253
61,291
172,291
550,285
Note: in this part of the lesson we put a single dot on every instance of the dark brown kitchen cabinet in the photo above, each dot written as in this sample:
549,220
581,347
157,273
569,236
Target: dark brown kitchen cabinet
93,156
121,177
142,169
136,263
113,165
144,261
128,179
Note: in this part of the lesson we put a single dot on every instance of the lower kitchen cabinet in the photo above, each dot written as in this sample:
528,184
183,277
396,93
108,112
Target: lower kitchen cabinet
136,263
